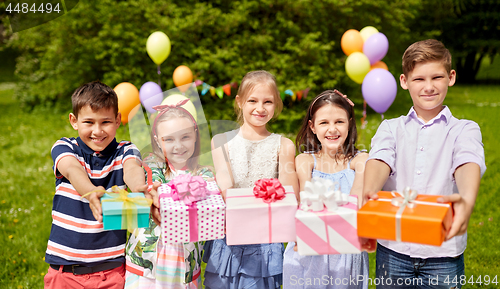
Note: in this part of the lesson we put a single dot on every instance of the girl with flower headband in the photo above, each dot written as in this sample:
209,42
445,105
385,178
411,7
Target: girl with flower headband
175,141
327,141
242,157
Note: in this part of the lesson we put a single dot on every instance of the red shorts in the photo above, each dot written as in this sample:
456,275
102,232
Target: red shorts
109,279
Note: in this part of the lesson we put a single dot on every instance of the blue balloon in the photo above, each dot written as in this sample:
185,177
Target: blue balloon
150,95
379,89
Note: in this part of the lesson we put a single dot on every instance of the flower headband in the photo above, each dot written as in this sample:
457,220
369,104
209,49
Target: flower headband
166,107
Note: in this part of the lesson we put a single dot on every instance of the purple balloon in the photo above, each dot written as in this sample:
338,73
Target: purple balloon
379,89
150,95
375,47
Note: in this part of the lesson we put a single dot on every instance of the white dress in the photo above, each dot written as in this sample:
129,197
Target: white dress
257,266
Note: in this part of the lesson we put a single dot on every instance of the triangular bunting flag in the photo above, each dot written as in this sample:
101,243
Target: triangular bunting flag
212,90
198,82
227,89
205,89
299,95
219,92
306,91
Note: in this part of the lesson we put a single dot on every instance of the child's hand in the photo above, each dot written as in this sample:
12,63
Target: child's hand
95,202
155,207
152,195
368,196
368,245
461,215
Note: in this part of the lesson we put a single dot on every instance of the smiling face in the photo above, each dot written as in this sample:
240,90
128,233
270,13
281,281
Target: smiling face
97,129
331,126
258,108
177,139
428,84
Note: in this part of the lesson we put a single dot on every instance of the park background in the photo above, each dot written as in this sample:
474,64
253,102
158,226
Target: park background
298,41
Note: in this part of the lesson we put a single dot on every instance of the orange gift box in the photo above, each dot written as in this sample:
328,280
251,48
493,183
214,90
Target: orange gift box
423,220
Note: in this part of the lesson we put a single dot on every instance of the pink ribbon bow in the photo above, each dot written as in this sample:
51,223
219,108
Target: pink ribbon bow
270,190
189,189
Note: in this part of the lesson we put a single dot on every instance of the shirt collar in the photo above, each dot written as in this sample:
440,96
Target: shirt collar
444,114
107,151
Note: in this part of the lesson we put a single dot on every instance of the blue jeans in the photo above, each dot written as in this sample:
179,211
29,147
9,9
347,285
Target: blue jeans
396,270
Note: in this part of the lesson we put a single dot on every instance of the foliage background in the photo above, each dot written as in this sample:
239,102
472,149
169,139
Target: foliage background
298,41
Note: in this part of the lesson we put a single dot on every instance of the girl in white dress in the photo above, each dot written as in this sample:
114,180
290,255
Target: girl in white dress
254,153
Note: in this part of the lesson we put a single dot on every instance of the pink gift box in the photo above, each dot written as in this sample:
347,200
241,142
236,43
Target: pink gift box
201,221
326,232
252,221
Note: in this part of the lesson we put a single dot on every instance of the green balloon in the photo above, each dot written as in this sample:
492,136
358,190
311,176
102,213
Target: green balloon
158,47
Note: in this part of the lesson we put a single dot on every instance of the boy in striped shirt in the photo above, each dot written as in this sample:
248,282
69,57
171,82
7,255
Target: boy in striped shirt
80,253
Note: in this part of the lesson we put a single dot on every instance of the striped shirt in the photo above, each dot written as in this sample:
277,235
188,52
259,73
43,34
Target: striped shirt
76,238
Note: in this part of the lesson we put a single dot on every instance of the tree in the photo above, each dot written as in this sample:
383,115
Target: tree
298,41
469,28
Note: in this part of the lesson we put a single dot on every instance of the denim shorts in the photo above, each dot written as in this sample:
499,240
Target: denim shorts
396,270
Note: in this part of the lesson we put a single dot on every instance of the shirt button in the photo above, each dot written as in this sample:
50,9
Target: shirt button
421,148
418,172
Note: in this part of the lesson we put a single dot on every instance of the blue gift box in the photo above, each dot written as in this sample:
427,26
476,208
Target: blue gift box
112,213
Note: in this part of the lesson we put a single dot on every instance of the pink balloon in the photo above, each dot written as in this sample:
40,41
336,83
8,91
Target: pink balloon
379,89
376,47
150,95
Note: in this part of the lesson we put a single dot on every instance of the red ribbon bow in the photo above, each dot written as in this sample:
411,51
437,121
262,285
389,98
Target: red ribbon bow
270,190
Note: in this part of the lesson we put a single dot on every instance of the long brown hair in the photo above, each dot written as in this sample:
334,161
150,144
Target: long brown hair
192,162
307,141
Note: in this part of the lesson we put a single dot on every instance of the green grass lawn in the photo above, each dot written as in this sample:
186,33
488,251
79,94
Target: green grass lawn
28,181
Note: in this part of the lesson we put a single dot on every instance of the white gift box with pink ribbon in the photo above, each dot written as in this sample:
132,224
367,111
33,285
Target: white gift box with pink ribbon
326,221
191,214
251,220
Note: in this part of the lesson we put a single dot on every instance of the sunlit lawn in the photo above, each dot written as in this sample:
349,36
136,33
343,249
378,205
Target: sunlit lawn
28,181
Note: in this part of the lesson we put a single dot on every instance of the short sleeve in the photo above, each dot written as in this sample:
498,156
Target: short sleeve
130,151
468,148
383,146
157,167
61,148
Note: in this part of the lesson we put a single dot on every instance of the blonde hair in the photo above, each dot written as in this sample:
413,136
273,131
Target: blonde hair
249,82
426,51
192,162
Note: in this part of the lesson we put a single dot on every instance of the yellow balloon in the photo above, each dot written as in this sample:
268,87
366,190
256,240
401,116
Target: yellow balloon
189,106
357,66
367,32
158,47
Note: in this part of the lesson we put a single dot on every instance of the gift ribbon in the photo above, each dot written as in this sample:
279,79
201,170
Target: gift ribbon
270,190
189,189
407,199
129,208
320,193
276,192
